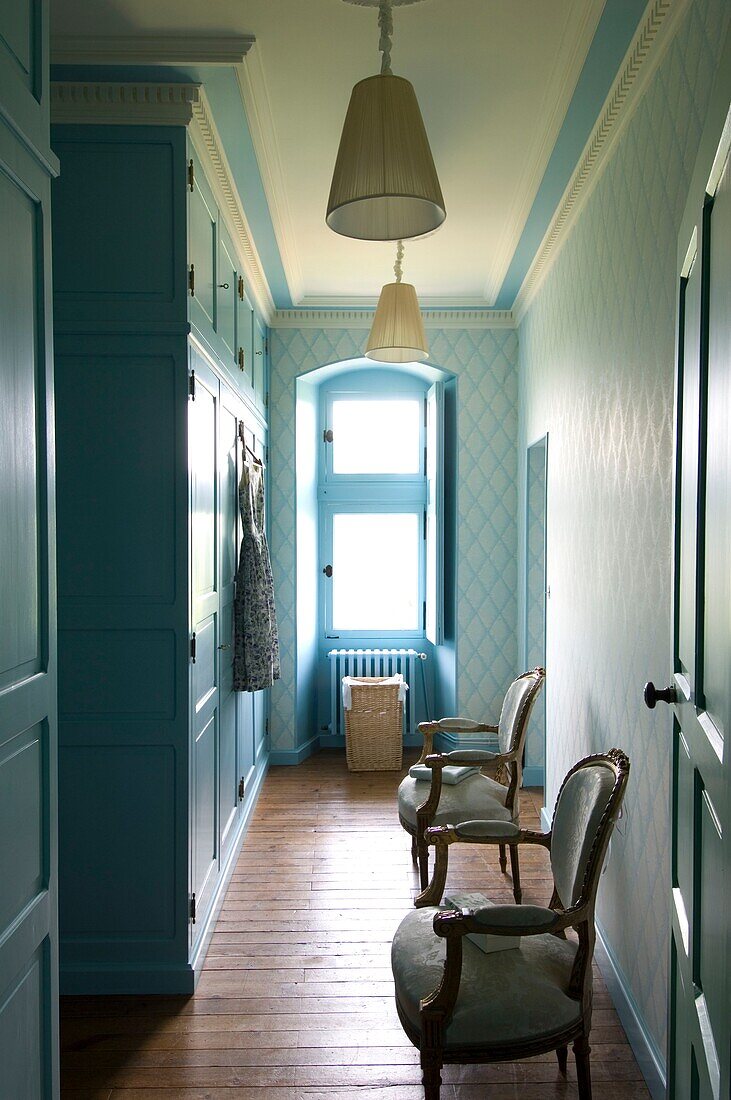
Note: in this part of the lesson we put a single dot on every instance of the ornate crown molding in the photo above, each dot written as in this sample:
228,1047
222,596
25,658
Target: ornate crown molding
170,105
149,49
363,319
654,34
208,144
136,104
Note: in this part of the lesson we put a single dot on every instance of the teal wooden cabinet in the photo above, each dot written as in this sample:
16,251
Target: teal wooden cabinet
157,773
28,713
221,313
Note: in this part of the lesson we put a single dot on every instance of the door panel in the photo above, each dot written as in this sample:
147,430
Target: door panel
227,293
19,452
701,870
717,575
204,813
205,612
259,363
203,216
28,728
245,334
229,471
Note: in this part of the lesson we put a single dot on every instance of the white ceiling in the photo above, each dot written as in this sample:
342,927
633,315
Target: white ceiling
493,78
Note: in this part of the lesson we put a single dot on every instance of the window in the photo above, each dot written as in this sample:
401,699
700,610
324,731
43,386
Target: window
375,509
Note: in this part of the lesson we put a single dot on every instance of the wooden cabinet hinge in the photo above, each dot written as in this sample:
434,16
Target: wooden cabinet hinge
192,908
191,280
191,175
192,647
241,288
241,359
191,384
242,787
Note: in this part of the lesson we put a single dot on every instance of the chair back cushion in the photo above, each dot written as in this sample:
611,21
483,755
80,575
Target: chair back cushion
581,804
517,706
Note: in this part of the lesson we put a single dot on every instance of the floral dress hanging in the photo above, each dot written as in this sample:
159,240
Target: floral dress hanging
256,641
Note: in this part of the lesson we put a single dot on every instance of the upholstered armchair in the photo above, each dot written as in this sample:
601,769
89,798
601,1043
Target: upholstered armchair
424,802
459,1004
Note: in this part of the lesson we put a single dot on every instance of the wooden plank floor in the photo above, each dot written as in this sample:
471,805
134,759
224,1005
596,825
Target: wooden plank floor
296,999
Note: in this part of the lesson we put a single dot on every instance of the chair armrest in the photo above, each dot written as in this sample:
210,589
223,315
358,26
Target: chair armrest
485,832
504,920
464,725
470,832
500,831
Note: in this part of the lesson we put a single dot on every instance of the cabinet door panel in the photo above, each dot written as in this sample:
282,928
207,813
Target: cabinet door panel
205,622
228,487
226,296
260,364
203,216
245,330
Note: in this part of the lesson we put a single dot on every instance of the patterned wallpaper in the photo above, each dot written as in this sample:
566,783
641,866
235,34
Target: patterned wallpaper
596,372
485,363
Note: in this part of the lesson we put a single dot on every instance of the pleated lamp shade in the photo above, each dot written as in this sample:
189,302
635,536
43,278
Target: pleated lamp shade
385,186
397,333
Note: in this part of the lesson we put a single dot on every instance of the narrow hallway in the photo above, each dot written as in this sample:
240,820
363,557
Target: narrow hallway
296,996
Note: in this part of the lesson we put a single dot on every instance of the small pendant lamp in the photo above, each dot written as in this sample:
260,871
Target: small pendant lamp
397,333
384,186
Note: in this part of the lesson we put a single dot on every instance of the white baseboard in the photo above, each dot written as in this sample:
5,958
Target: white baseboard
546,819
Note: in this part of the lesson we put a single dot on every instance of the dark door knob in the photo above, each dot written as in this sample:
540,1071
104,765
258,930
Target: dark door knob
654,695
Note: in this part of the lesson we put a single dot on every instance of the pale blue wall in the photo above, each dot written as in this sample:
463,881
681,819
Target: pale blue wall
596,350
485,364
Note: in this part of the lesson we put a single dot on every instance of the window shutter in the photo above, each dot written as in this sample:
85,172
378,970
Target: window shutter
434,509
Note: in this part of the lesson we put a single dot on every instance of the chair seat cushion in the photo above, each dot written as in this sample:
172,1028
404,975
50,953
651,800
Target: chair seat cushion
503,998
478,796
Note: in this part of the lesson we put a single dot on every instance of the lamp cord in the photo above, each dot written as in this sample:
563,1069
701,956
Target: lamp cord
385,23
397,268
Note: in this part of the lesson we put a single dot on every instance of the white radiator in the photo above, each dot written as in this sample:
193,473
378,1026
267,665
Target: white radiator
371,662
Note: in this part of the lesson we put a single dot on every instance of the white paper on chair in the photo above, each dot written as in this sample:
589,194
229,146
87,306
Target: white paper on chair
483,940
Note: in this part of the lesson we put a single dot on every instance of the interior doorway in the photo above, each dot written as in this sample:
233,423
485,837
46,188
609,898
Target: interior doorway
535,594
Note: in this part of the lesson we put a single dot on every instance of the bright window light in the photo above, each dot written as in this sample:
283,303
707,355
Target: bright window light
375,584
376,437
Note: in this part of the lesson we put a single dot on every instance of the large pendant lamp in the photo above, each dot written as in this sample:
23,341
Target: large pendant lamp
397,333
385,186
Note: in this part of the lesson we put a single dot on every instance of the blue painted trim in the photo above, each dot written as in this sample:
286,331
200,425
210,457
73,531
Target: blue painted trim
295,756
649,1058
612,39
533,775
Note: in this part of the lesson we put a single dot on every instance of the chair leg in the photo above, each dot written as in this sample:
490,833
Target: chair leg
562,1056
515,870
414,853
503,859
431,1075
423,856
583,1073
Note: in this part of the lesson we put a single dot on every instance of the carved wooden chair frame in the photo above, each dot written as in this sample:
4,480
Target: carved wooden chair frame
509,765
436,1009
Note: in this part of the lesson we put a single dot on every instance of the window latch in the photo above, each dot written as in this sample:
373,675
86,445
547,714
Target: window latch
327,435
328,571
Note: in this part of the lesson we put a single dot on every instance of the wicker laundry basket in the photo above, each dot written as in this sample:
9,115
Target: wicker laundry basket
374,725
